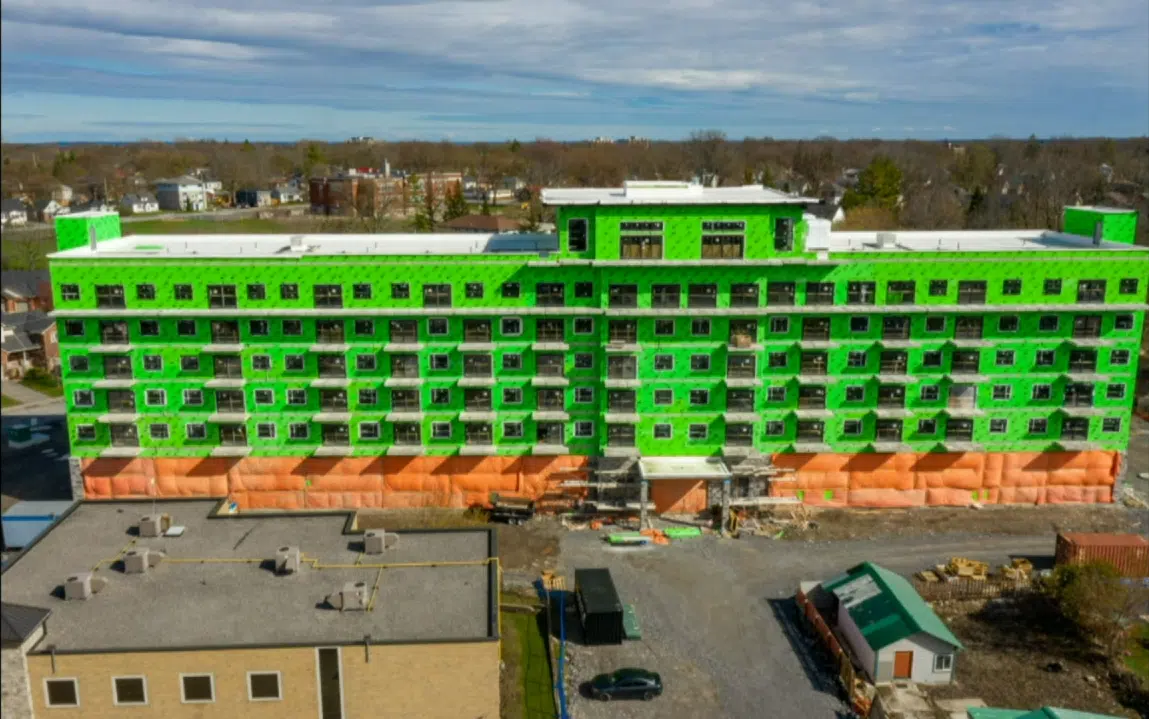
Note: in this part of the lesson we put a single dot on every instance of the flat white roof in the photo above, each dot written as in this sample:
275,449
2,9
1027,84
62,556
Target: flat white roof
88,213
1101,208
315,245
683,468
968,241
670,193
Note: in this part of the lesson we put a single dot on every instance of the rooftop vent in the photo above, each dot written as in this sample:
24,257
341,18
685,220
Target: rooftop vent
83,585
887,240
297,244
353,597
138,561
287,560
1098,228
376,540
154,525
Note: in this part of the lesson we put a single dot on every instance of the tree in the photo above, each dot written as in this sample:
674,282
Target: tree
1032,148
767,176
933,207
313,157
515,146
1092,596
709,154
485,208
534,215
879,185
455,205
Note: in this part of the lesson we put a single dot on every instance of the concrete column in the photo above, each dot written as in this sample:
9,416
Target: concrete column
643,492
76,478
725,519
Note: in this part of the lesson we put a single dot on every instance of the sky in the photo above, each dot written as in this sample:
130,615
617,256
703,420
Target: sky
492,70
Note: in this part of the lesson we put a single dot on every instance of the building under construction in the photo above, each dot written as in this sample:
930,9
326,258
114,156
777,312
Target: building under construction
672,346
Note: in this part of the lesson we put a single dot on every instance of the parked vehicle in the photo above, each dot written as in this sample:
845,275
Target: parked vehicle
626,684
512,510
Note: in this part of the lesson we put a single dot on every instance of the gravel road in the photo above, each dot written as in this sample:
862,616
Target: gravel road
717,618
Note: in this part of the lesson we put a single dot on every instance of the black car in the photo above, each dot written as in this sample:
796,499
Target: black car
626,684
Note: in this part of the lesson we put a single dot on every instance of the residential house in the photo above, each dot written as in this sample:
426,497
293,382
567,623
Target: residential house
181,193
284,194
253,198
13,212
46,210
891,631
139,203
25,290
356,196
28,340
485,224
62,194
297,638
96,205
828,210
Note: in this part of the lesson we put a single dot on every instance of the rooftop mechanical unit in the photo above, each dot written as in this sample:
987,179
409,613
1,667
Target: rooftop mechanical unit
375,541
154,525
352,597
83,585
287,560
138,561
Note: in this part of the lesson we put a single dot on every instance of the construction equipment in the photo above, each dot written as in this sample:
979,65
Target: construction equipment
970,568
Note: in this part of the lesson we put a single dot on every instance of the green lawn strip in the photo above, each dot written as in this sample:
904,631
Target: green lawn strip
1138,659
44,386
530,664
6,401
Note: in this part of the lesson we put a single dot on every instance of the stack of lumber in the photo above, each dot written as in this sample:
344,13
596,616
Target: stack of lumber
1019,569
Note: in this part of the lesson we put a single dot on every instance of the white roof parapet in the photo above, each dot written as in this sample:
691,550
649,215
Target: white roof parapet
670,193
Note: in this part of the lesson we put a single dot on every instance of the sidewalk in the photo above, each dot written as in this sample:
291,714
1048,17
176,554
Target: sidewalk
31,401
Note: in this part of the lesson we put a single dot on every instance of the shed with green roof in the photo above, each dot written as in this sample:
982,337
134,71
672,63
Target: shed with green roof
1042,713
892,631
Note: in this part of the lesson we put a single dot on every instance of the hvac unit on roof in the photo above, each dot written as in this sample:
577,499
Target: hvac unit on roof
138,561
887,240
154,525
287,560
297,244
376,540
83,585
352,597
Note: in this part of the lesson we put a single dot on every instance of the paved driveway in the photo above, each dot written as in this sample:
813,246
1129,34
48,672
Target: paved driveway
31,401
718,622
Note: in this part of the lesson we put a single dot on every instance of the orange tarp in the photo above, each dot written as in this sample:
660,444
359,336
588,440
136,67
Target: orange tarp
837,480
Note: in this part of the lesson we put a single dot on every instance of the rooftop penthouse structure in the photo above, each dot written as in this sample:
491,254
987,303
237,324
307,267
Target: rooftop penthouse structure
722,327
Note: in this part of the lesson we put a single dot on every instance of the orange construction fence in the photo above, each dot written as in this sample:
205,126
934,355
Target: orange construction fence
857,480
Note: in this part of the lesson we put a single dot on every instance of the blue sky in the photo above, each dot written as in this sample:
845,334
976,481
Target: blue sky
571,69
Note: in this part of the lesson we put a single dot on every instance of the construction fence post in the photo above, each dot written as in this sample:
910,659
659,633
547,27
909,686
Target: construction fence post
643,491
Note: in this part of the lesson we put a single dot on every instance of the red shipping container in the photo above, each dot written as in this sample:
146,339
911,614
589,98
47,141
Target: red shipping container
1128,552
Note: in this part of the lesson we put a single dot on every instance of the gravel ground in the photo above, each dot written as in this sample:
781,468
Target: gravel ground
718,620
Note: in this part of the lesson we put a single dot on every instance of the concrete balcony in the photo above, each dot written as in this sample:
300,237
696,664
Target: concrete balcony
330,347
550,415
969,343
121,452
743,382
330,416
550,449
106,348
819,344
892,446
806,446
623,347
1091,342
963,412
470,415
549,381
406,450
223,347
333,450
892,413
550,346
403,346
231,450
740,416
225,383
477,347
403,382
620,452
477,382
405,415
621,417
115,383
331,382
633,383
228,417
813,413
895,378
113,417
477,450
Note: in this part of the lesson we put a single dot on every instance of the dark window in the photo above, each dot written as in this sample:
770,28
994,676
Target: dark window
257,292
1052,287
510,290
293,363
70,293
74,328
437,295
365,328
550,294
258,328
289,291
1045,358
700,328
62,692
666,296
971,292
584,290
939,288
780,293
584,360
189,363
261,362
153,363
783,234
1048,323
663,363
1008,323
511,326
860,324
130,690
1111,424
184,292
623,296
368,396
577,235
400,291
1128,286
744,295
78,363
264,685
1011,287
149,328
86,431
438,326
1123,322
145,292
186,328
819,293
861,293
328,295
1091,291
640,226
474,290
900,293
663,328
292,328
855,393
111,296
584,325
702,296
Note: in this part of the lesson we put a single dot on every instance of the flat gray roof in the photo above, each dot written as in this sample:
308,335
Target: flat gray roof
234,604
254,246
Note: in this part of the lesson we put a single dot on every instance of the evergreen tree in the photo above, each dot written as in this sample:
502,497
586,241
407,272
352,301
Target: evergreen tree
879,185
455,204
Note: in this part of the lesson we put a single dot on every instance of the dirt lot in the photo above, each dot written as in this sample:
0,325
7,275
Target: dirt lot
524,551
1010,646
838,524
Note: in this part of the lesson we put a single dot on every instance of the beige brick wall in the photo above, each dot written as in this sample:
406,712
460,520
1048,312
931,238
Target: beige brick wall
417,681
424,681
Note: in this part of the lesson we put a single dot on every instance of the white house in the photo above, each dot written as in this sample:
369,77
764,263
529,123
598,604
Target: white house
13,212
284,194
181,193
140,203
62,194
891,631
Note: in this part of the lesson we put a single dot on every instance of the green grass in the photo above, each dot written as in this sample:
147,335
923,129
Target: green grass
527,686
44,386
6,401
1138,659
